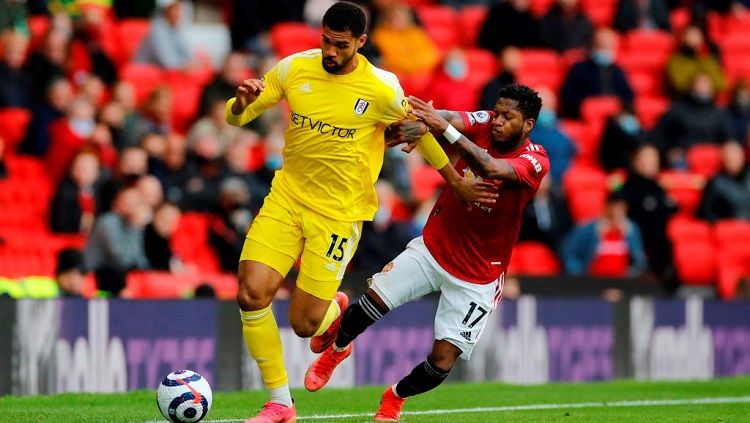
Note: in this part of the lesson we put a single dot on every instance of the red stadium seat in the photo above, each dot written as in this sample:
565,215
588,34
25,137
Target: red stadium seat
644,40
688,228
695,261
425,182
444,38
643,61
144,78
598,109
737,65
292,37
13,124
600,12
541,67
470,20
585,137
650,109
190,242
704,159
646,84
437,16
130,35
733,241
482,67
686,189
679,18
541,7
532,258
586,191
38,27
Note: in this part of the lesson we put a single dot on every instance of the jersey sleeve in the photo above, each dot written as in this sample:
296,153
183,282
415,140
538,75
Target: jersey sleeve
396,106
531,166
476,123
275,81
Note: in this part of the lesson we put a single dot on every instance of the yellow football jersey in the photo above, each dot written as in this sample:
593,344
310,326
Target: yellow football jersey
334,143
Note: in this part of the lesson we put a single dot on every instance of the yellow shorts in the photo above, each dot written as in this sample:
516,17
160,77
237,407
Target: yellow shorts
286,230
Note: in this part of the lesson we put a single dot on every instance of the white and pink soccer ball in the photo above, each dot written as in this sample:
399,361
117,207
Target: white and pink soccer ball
184,396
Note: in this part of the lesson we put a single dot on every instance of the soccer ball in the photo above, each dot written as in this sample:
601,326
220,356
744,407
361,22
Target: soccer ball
184,396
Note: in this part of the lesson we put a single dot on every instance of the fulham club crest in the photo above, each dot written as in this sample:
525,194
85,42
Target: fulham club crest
361,106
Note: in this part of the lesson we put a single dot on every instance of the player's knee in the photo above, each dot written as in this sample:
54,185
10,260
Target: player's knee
443,362
252,297
304,328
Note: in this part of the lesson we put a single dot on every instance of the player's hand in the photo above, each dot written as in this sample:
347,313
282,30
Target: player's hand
475,191
427,114
406,131
247,92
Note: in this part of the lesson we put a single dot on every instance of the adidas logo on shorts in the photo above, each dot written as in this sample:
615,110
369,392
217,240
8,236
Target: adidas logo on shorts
466,335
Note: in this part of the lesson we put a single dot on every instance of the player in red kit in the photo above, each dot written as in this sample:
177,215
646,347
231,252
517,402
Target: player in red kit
464,250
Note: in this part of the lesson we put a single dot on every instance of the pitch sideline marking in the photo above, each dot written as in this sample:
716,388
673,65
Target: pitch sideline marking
528,407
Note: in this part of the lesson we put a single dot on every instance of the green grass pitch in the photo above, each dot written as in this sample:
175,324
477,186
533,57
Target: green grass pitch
723,400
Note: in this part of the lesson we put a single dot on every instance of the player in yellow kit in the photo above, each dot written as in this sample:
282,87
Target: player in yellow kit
340,108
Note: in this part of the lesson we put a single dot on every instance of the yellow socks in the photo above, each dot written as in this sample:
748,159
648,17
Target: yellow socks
331,314
264,343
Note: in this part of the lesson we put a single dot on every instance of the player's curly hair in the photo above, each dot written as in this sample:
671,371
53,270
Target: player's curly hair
345,16
528,100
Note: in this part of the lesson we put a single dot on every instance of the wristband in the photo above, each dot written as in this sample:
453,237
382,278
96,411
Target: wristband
451,134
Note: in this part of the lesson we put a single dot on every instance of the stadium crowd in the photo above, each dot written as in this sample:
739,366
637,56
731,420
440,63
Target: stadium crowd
117,159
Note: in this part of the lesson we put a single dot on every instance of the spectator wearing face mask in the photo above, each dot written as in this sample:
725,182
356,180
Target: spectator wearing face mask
692,120
622,136
694,55
509,23
598,75
448,88
547,133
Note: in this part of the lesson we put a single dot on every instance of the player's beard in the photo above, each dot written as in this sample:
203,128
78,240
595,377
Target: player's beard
335,67
511,143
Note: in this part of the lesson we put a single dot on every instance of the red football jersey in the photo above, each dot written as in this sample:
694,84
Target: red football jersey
474,242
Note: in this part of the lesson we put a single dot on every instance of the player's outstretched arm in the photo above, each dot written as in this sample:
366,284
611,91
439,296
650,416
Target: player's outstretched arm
476,157
409,131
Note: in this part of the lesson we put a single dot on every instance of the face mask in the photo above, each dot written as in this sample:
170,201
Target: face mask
602,57
383,215
629,124
547,117
703,97
82,127
274,161
743,100
456,69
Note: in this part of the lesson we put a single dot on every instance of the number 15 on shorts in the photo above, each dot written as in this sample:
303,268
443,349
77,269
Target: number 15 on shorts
336,249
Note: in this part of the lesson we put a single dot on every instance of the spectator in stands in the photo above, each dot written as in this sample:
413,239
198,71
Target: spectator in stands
650,208
205,290
74,205
405,48
155,116
509,23
15,84
693,56
70,272
166,43
448,88
622,136
383,237
237,158
111,282
230,222
739,109
213,124
59,97
509,60
642,14
87,55
202,189
598,75
251,20
565,27
48,64
77,130
609,246
158,235
546,218
692,120
727,195
151,191
548,134
132,164
177,171
116,242
224,85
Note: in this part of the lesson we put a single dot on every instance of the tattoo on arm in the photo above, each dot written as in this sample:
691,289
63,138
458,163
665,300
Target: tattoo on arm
454,118
483,163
